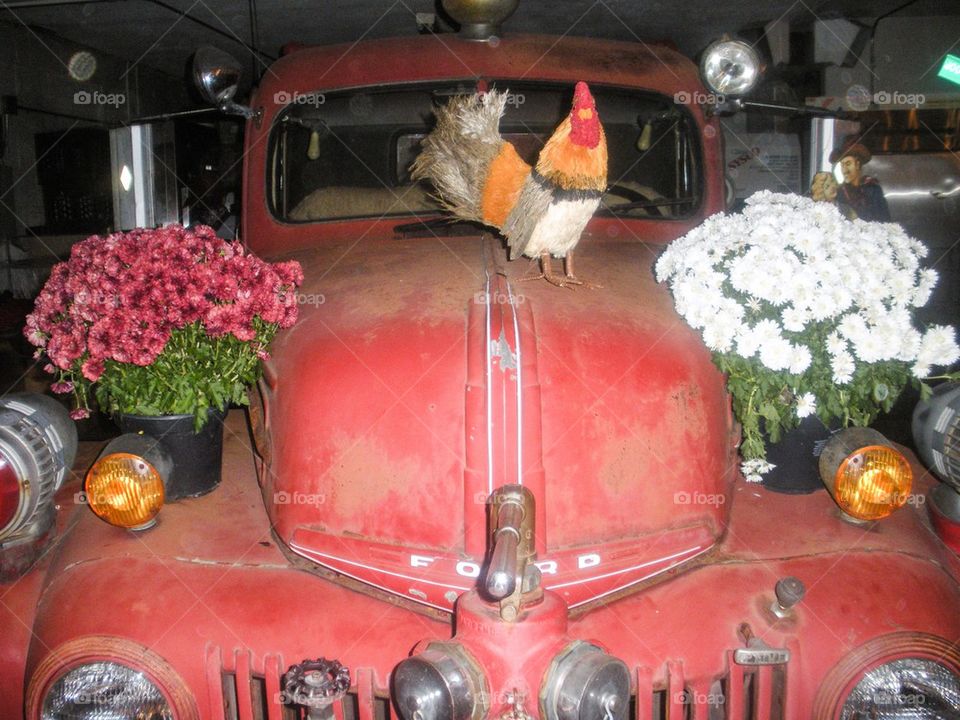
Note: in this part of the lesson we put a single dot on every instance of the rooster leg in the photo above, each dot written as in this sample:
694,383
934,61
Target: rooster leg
533,263
571,278
546,272
548,275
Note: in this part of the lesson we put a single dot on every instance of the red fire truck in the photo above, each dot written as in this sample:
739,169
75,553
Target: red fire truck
464,496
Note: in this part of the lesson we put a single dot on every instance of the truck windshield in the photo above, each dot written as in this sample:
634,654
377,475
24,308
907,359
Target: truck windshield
348,154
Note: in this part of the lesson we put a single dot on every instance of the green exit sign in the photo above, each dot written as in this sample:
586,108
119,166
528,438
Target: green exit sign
951,69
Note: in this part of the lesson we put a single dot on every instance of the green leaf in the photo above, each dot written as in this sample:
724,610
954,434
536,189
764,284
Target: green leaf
193,373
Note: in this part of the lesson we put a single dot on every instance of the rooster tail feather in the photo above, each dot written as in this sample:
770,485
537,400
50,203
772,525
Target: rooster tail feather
457,154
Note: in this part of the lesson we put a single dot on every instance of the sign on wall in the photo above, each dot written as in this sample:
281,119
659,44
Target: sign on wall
761,161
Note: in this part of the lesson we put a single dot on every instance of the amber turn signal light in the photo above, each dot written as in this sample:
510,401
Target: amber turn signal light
126,485
866,476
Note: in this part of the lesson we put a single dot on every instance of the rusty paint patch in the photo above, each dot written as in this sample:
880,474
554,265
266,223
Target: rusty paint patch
364,476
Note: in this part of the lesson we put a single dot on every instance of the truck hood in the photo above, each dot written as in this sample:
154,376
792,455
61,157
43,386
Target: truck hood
425,372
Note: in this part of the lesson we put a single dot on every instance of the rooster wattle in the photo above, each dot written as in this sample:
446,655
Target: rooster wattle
479,176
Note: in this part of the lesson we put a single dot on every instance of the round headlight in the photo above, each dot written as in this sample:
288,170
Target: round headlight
866,477
105,690
905,688
126,484
894,677
730,67
101,677
38,441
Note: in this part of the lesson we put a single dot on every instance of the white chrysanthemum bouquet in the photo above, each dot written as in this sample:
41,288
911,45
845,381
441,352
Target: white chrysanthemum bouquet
806,312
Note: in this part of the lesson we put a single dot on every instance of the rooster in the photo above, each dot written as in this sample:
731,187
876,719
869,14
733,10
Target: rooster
479,176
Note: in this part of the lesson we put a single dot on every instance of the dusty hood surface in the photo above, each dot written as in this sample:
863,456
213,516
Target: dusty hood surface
402,397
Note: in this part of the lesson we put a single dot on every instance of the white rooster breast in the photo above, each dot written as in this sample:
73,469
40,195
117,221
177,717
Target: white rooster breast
558,230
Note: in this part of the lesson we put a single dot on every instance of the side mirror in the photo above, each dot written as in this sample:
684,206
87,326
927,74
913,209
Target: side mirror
217,75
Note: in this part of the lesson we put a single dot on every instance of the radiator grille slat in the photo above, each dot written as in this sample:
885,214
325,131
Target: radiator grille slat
365,700
215,690
242,679
700,697
764,692
338,713
675,691
736,706
273,668
644,703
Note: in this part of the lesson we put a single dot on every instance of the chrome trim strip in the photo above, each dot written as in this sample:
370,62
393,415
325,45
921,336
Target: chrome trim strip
489,378
516,336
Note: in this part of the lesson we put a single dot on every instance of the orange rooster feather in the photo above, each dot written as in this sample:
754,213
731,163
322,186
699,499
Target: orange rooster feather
479,176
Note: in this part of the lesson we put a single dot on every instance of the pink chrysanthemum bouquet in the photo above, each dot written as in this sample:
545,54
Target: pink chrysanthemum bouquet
164,322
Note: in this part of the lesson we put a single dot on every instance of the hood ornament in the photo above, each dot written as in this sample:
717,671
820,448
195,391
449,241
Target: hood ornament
512,578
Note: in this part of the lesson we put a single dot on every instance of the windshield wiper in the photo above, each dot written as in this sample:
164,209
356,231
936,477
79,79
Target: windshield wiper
445,227
619,208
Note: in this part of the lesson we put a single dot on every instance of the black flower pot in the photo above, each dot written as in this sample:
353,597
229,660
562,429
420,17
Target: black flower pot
797,458
197,456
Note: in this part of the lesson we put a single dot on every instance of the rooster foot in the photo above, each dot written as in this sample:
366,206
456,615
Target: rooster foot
546,272
573,280
562,281
553,280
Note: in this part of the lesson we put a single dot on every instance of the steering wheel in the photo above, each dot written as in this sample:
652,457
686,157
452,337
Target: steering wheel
632,192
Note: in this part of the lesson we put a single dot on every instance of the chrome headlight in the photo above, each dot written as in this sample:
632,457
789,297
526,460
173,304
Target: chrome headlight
38,442
101,677
730,67
105,690
898,676
905,688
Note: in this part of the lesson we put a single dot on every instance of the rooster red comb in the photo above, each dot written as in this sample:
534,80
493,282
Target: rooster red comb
584,121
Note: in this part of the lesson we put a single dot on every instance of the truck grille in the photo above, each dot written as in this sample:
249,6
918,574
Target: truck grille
742,693
239,691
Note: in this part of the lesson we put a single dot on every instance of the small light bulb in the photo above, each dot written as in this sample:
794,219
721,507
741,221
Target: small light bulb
313,149
643,142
